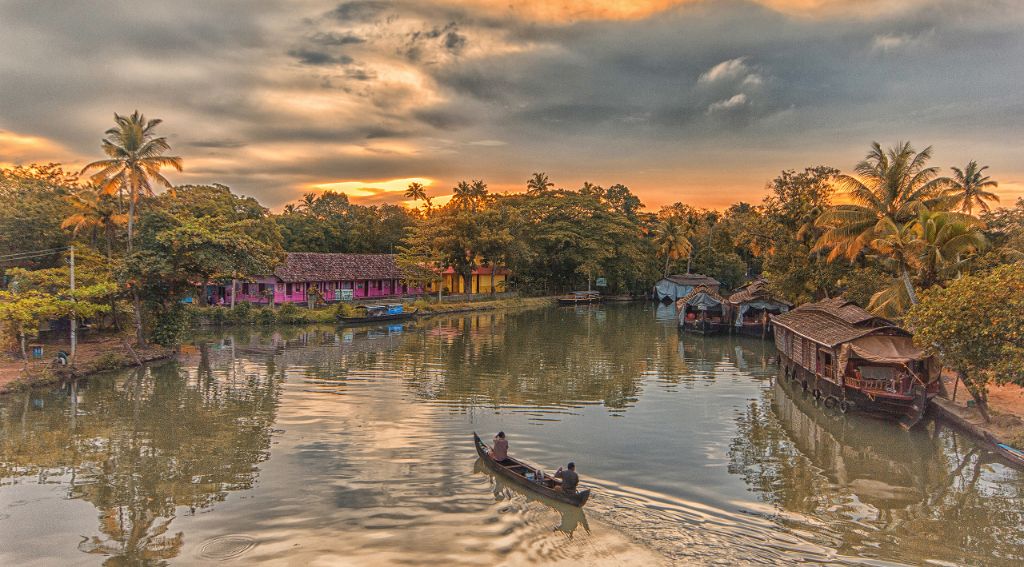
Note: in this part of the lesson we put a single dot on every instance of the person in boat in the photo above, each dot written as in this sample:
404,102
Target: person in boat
500,450
570,480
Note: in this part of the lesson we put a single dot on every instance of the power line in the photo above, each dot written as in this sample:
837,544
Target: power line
32,254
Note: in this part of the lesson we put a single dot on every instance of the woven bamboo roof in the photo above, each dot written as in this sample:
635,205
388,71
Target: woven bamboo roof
756,290
699,290
693,279
325,267
834,321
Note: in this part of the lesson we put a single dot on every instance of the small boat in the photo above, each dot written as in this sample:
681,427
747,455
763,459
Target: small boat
1011,454
380,313
522,474
580,298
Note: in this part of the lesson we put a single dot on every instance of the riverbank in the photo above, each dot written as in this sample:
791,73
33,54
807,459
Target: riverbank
1006,409
101,354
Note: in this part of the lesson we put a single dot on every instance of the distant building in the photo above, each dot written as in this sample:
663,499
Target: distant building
480,281
365,275
675,287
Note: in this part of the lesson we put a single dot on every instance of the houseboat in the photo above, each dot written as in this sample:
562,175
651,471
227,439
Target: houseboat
703,311
753,306
672,288
850,358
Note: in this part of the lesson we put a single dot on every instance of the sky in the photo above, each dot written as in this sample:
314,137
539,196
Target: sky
695,101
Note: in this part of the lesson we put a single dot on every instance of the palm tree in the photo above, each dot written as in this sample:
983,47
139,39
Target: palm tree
462,195
478,192
968,188
417,192
671,240
538,184
94,211
136,156
891,186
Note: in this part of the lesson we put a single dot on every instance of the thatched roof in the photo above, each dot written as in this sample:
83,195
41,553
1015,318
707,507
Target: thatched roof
756,290
324,267
834,321
695,296
693,279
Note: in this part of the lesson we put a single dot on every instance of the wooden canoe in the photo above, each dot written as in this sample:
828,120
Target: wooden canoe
378,318
515,471
1011,454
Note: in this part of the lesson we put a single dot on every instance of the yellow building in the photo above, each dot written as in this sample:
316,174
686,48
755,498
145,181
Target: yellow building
480,281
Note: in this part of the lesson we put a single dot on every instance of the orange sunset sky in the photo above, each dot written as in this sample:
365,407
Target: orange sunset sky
694,101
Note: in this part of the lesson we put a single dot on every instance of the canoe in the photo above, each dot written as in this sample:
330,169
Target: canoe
1011,454
378,318
515,471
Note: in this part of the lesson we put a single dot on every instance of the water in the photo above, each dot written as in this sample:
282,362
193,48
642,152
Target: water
320,447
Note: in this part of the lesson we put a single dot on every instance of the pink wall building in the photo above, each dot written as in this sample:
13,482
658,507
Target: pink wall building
367,275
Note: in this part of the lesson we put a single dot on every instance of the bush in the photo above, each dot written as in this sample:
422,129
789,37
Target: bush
290,313
169,326
266,316
108,361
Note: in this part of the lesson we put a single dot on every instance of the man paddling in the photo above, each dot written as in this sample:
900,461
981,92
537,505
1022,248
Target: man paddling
570,480
500,451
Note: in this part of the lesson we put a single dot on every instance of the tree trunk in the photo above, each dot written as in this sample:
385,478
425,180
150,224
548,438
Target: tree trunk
977,392
668,259
131,222
689,261
909,285
233,286
140,339
494,268
24,349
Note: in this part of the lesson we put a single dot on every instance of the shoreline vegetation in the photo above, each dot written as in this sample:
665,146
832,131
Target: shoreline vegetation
895,235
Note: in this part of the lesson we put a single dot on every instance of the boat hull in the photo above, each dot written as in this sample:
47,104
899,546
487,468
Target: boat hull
907,409
578,499
702,327
378,319
1010,454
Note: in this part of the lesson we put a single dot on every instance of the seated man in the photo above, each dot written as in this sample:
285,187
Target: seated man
569,478
500,450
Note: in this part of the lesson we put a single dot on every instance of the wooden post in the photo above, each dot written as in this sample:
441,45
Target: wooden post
74,319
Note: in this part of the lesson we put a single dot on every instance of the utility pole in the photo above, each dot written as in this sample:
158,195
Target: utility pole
74,317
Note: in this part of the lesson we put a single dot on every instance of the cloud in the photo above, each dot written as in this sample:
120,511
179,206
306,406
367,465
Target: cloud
729,69
734,101
311,57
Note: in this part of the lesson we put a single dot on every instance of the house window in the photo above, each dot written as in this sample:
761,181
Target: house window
288,289
380,285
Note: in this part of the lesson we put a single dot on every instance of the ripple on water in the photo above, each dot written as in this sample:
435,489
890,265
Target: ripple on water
222,548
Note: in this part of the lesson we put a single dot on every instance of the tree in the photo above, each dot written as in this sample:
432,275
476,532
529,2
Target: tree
889,189
968,188
538,184
417,192
976,324
95,212
33,204
672,242
136,156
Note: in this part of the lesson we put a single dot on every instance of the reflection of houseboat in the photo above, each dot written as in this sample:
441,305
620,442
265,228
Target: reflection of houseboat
580,298
380,313
850,357
703,311
752,307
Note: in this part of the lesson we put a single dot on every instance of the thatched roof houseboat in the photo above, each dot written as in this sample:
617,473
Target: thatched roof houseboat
753,305
703,311
672,288
851,358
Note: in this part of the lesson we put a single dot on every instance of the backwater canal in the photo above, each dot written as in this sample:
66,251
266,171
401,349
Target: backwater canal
323,446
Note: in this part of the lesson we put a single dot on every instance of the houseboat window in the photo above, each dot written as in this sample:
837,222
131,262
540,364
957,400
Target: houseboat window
877,372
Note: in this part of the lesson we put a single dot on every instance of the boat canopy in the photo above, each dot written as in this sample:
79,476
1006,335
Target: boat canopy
887,349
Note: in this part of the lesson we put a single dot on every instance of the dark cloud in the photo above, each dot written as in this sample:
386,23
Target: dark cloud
313,57
335,39
442,119
216,144
359,10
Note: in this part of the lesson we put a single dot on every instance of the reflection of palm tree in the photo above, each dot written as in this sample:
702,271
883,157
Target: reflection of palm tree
968,188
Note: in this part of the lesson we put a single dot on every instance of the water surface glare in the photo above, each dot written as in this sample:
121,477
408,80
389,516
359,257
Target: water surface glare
318,446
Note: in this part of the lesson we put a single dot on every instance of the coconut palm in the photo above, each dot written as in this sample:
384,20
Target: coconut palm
671,240
462,195
95,212
889,188
136,156
968,188
538,184
417,192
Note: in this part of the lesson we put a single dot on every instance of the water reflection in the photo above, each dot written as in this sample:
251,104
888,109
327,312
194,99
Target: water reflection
572,517
321,445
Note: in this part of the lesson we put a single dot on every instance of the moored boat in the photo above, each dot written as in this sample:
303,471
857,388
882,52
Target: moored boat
526,476
1012,454
580,298
752,307
853,359
703,311
379,314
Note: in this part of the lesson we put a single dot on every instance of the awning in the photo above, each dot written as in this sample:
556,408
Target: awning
884,349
